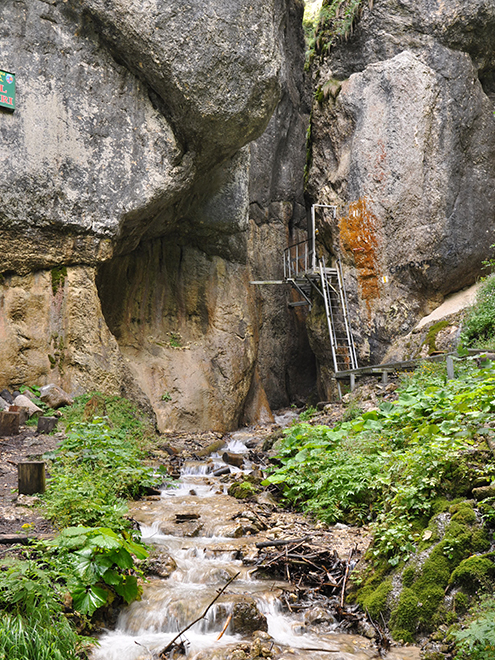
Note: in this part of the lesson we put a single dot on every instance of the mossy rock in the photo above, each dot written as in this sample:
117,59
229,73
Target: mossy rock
408,576
243,490
404,618
431,335
463,512
375,601
461,602
474,573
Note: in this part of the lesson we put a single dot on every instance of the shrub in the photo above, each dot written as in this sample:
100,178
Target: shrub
479,326
94,469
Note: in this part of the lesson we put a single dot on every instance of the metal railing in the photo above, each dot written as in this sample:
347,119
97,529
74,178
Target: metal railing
298,260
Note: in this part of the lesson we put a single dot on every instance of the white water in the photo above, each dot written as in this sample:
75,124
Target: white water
203,565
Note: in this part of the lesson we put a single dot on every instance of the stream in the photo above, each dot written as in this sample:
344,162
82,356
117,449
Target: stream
201,536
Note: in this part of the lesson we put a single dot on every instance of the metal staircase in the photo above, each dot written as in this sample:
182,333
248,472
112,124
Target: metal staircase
305,272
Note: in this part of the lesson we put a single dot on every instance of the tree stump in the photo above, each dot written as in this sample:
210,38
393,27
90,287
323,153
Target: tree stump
9,423
31,477
46,424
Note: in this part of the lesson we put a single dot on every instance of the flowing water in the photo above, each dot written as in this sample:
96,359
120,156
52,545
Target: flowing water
204,535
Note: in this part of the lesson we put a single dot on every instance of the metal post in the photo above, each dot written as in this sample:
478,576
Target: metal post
384,377
343,302
450,367
353,382
327,313
313,238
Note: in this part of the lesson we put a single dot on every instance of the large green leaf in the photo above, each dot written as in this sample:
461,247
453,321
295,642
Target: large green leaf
88,599
128,588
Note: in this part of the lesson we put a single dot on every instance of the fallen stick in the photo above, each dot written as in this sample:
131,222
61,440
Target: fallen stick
277,542
229,619
171,644
281,554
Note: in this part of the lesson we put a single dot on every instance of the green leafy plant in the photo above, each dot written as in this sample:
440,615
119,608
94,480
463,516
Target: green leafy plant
175,340
477,640
94,469
308,414
388,466
101,565
166,396
479,327
32,625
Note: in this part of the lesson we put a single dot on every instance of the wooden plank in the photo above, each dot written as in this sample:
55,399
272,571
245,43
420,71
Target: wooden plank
390,366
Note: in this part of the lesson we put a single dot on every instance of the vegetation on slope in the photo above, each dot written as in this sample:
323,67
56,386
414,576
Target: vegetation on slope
54,589
408,470
479,326
335,20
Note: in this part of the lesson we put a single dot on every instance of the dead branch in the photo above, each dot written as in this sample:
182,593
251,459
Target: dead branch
277,542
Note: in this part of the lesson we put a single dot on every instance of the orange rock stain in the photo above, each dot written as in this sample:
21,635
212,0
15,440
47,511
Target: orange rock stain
359,237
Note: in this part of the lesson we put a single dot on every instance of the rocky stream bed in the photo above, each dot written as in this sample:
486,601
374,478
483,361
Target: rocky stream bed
282,579
259,581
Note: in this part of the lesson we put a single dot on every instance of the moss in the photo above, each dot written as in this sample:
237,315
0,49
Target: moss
408,576
59,275
431,335
376,601
461,602
242,490
474,573
480,541
436,569
404,617
53,361
463,512
440,504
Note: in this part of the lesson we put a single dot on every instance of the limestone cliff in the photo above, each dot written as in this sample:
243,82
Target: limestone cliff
403,140
126,240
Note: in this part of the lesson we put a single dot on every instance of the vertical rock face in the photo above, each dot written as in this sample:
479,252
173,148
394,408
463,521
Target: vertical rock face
125,168
278,218
404,143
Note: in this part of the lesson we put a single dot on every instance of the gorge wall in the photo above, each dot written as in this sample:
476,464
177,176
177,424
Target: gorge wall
136,208
403,141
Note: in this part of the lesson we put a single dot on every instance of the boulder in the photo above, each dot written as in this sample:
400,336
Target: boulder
7,396
246,618
54,396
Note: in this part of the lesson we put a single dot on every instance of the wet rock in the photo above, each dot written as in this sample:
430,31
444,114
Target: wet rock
319,615
211,449
233,459
246,618
54,396
162,565
186,517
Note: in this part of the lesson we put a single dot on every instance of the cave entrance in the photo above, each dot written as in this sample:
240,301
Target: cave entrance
307,272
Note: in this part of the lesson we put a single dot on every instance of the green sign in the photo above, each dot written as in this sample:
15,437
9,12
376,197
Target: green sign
7,90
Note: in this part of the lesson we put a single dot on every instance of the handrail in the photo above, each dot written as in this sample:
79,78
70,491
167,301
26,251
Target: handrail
297,259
